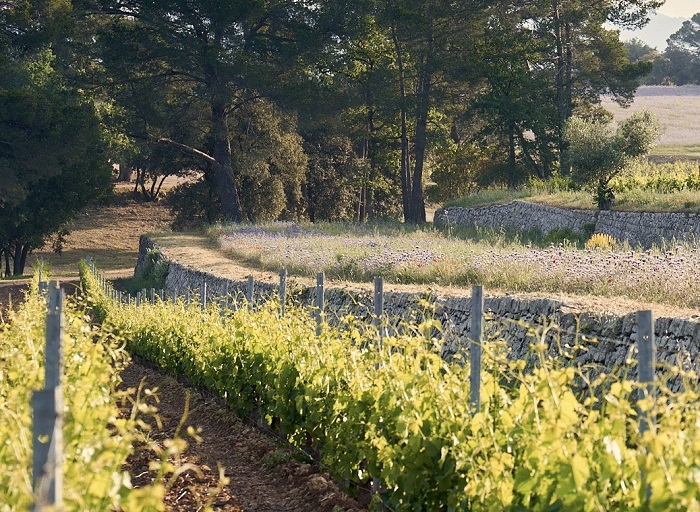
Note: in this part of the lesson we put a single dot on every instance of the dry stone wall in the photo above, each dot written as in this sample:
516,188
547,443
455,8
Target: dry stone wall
518,216
638,228
606,339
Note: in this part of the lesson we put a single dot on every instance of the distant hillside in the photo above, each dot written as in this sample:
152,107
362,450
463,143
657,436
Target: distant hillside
656,32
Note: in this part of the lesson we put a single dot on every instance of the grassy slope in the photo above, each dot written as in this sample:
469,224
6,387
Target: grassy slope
108,234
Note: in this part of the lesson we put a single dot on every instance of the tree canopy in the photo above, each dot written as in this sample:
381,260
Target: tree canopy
679,63
325,109
53,159
598,154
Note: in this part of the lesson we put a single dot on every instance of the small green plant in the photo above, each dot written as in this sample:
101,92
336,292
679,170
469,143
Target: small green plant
275,457
153,273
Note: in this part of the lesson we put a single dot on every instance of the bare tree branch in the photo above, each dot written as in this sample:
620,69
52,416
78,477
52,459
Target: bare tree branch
190,150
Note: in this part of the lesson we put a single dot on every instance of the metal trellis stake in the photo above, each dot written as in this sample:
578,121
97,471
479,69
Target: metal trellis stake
476,335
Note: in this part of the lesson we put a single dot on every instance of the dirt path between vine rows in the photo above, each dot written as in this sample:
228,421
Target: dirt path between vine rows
262,474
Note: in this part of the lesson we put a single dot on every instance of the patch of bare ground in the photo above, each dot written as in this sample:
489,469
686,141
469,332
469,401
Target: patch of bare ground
11,295
262,476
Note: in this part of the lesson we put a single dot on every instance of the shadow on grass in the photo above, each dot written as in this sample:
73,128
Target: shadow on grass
67,263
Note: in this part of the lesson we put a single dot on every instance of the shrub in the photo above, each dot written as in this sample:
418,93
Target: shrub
597,154
601,241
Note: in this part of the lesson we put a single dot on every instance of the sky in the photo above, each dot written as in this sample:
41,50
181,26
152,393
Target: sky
680,8
672,14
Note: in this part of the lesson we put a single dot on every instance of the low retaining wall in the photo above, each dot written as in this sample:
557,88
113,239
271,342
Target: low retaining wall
608,338
637,228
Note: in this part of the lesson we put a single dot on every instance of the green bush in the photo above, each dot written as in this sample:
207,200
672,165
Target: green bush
153,273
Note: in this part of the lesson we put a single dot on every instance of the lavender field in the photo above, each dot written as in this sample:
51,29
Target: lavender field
400,255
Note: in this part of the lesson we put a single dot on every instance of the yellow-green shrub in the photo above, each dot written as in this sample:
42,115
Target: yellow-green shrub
96,444
601,241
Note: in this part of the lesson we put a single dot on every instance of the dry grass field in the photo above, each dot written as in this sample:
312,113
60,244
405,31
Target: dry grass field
678,109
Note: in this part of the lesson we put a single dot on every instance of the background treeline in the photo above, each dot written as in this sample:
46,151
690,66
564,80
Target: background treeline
679,63
324,110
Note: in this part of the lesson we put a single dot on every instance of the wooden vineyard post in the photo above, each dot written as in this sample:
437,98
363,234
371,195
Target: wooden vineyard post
226,293
379,309
378,319
203,297
320,278
645,372
47,407
250,287
283,291
476,335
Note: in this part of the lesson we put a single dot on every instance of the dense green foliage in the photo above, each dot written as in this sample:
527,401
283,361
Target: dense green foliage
53,159
277,107
401,414
299,102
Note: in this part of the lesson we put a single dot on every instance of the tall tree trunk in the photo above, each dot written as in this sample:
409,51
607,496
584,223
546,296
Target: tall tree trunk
512,169
139,178
224,175
424,89
17,260
361,205
568,93
23,258
560,80
369,199
406,186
